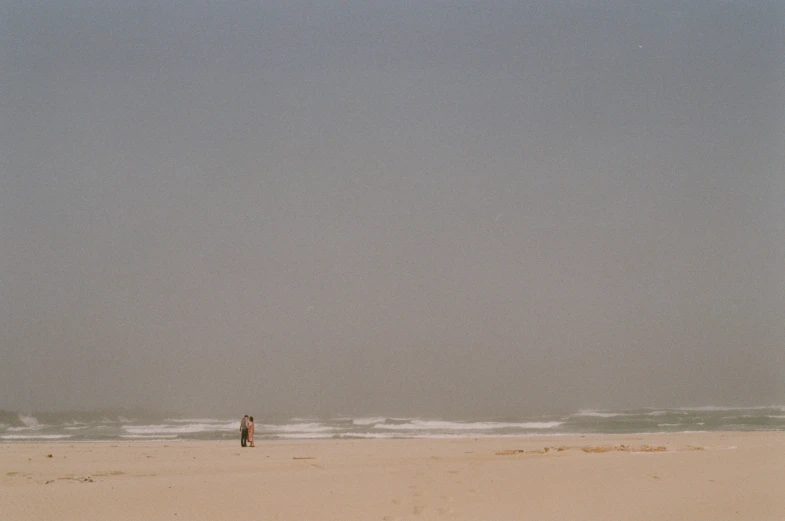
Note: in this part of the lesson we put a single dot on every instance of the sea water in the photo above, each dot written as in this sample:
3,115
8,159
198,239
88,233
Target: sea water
124,426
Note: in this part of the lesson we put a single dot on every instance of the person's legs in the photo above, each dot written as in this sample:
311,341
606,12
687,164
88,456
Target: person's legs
244,438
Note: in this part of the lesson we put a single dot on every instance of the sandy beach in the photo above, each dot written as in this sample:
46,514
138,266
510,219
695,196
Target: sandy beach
701,476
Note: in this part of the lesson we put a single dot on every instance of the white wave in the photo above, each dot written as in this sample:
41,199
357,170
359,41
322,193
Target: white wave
304,435
369,421
297,427
443,435
668,424
29,422
656,413
19,429
458,426
713,408
776,417
599,414
149,436
119,419
197,420
182,428
75,428
369,435
34,436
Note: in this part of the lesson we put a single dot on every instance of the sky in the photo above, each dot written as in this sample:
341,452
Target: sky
443,208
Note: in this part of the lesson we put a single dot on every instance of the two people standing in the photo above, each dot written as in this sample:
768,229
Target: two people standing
246,431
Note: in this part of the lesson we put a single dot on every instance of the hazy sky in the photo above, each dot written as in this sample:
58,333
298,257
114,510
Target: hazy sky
427,207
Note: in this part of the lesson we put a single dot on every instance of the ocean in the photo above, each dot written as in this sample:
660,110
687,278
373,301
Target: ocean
125,426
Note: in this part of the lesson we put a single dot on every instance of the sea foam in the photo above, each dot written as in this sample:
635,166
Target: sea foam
426,425
188,428
369,421
34,436
296,428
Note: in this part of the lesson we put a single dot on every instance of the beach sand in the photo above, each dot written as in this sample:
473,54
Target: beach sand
649,477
